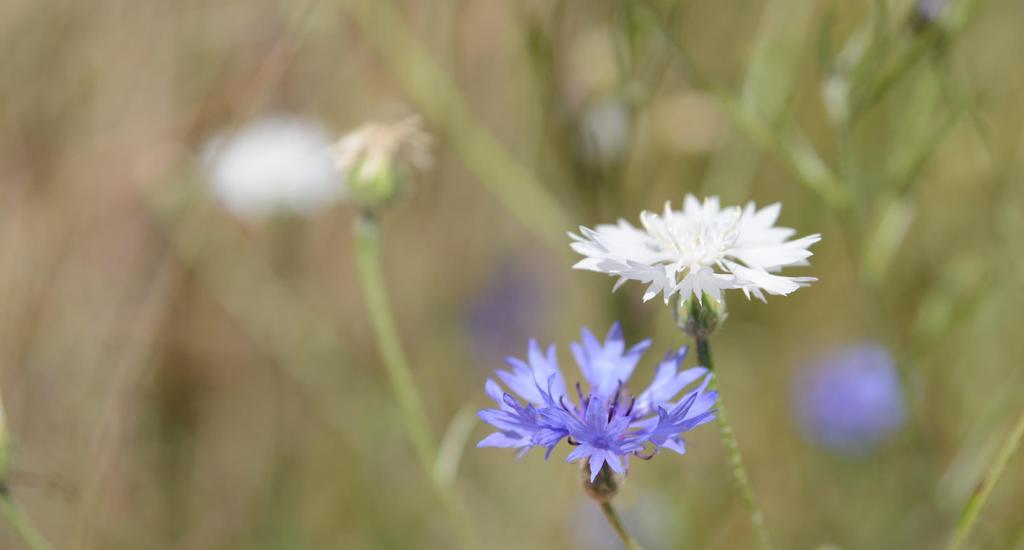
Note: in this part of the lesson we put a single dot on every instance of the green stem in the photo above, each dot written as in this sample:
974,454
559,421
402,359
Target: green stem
787,145
616,523
732,446
438,97
20,522
974,507
895,72
413,412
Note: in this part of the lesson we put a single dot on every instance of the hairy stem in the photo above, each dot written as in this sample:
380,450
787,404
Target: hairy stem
413,413
20,522
732,446
616,523
974,506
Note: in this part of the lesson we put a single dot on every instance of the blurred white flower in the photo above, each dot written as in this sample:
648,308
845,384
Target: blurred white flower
273,165
604,129
710,247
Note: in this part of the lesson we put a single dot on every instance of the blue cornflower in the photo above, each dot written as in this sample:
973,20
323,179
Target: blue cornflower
606,424
851,399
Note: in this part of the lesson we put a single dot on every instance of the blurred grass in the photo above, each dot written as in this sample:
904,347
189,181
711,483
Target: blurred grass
195,382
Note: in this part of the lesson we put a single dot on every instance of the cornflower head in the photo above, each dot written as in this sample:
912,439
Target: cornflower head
851,399
604,422
376,157
698,251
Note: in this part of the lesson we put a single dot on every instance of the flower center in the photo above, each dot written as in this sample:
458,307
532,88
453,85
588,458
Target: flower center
697,241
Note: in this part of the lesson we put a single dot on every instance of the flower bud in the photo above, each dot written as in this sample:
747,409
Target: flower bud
700,318
375,181
604,487
375,159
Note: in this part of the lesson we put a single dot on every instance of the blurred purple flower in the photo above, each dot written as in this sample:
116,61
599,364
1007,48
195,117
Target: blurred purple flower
851,399
927,11
501,316
606,424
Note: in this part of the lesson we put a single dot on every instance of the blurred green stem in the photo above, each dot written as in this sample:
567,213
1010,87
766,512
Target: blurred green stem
439,99
974,506
732,446
616,523
787,144
876,88
414,416
20,522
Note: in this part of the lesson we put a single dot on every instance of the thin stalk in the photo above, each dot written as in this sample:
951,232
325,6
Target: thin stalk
977,503
413,413
789,146
869,94
20,522
438,97
616,523
732,446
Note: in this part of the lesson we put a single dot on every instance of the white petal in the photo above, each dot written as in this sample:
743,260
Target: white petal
772,284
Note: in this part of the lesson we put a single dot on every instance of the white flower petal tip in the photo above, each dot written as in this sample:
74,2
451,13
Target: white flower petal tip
702,248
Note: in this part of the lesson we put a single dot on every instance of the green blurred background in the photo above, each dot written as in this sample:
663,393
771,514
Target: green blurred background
176,378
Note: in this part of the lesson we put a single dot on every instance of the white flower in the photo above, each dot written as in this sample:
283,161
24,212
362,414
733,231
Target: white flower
274,165
702,248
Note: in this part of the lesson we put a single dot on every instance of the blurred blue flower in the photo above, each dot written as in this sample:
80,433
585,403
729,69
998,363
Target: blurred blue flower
504,312
851,399
928,11
606,424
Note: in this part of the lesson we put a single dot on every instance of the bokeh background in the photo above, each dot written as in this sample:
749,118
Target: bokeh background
174,377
